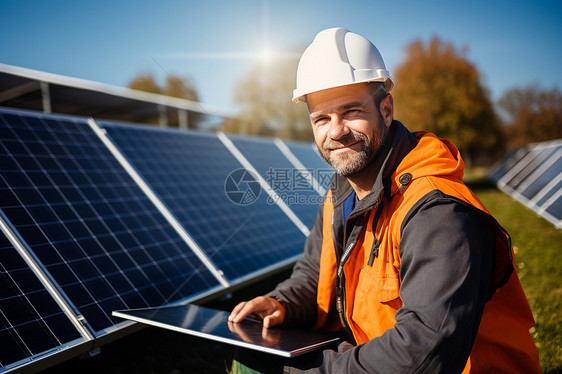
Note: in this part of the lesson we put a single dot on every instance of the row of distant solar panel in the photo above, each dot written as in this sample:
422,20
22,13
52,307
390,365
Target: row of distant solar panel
533,175
103,241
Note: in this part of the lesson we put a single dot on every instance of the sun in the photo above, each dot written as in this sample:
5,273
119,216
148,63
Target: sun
265,55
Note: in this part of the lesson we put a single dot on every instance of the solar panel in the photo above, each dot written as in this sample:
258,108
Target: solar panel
309,157
219,203
88,223
533,175
534,160
31,322
499,170
290,183
554,208
552,169
549,191
125,217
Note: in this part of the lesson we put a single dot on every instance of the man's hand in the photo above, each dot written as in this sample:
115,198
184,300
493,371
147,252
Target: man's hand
268,309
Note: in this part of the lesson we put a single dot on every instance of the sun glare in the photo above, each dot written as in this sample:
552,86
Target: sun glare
265,55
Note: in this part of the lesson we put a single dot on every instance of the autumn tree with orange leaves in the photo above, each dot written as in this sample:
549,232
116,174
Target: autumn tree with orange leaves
174,86
439,90
534,115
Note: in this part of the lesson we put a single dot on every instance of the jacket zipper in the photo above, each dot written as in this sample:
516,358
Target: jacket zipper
340,283
340,276
340,290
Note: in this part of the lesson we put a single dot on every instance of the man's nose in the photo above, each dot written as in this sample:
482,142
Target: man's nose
338,128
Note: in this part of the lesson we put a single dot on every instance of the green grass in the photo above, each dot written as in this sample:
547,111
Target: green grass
538,253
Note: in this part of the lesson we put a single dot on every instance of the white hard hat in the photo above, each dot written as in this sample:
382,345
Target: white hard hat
338,57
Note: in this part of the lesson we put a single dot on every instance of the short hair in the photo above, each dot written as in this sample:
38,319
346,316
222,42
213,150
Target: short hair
377,90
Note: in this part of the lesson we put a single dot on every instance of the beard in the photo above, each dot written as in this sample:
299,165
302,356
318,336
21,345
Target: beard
351,162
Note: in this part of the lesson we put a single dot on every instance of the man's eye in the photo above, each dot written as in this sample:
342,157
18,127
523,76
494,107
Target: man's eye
320,121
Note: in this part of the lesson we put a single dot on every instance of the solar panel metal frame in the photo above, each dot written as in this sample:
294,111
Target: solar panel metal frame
159,205
65,349
82,119
69,348
323,172
309,189
89,340
310,177
542,180
524,167
544,210
544,195
264,184
501,168
228,148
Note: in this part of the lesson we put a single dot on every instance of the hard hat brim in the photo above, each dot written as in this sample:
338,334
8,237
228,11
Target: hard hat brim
300,96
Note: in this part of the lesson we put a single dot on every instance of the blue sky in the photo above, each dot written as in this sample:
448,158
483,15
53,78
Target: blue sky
512,43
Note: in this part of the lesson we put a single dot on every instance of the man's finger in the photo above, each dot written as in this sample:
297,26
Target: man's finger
236,310
244,310
273,319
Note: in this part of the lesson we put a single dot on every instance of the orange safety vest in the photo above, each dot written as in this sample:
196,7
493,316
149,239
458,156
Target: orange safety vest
503,342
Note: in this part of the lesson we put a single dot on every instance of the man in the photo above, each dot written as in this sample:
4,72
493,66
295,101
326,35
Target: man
402,256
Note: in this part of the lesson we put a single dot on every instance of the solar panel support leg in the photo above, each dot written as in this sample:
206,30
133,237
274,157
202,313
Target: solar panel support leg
163,116
46,97
183,118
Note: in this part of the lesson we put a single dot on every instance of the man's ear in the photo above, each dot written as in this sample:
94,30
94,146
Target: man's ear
387,109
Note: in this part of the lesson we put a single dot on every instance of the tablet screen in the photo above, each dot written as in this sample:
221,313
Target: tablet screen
213,324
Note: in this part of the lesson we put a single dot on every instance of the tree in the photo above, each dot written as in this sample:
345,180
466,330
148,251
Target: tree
534,115
145,82
175,86
438,90
266,106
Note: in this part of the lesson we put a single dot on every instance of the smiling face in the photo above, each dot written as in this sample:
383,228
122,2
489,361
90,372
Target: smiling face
349,129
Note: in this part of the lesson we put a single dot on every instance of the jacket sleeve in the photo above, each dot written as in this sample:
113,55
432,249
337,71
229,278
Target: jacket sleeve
298,293
447,255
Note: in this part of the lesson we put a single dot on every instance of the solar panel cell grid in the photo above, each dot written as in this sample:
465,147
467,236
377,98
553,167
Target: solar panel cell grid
308,155
532,175
87,221
531,162
549,194
188,171
555,208
543,179
507,163
31,322
287,181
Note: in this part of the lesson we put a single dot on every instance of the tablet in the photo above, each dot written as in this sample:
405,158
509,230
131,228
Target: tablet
213,324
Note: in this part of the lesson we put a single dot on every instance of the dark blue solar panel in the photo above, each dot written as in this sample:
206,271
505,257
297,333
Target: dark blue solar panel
507,163
217,202
88,223
555,209
543,179
31,322
535,158
549,194
309,157
532,176
288,182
